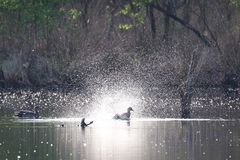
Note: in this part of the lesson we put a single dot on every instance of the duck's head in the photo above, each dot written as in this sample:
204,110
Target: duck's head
83,120
129,109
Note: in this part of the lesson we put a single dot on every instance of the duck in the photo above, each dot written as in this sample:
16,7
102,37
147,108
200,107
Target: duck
124,116
84,124
28,114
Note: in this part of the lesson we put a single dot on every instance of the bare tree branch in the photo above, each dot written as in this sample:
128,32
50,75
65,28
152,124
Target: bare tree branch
182,22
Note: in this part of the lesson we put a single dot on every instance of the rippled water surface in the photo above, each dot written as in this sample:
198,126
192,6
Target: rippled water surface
153,139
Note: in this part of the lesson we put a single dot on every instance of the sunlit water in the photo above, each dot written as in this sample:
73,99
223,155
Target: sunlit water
206,103
139,139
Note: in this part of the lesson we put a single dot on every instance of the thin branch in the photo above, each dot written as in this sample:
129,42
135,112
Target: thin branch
182,22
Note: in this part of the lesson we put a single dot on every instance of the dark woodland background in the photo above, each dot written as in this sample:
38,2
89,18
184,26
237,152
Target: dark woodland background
88,43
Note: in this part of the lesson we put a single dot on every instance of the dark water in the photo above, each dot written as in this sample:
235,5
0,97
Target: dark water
151,139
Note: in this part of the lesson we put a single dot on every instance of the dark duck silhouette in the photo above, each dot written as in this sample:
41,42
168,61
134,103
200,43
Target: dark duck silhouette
28,114
124,116
84,124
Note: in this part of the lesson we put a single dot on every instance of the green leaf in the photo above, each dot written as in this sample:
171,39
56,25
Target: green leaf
73,14
125,26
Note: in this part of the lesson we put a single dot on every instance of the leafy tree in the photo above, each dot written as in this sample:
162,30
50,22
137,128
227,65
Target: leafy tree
136,11
42,15
236,3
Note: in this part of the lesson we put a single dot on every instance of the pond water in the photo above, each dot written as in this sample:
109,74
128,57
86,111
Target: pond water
206,103
141,139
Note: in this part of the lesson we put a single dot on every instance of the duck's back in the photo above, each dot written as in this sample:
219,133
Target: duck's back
26,114
125,116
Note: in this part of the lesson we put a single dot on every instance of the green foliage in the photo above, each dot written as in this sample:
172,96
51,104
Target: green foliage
9,4
41,14
73,14
235,3
137,15
136,10
125,26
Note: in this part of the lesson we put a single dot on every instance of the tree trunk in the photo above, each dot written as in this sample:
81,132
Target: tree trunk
166,27
186,89
186,97
167,20
85,4
152,22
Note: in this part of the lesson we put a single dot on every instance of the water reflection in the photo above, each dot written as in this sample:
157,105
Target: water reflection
142,139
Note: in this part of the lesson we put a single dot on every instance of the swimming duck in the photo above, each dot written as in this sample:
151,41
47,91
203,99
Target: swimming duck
124,116
28,114
84,124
